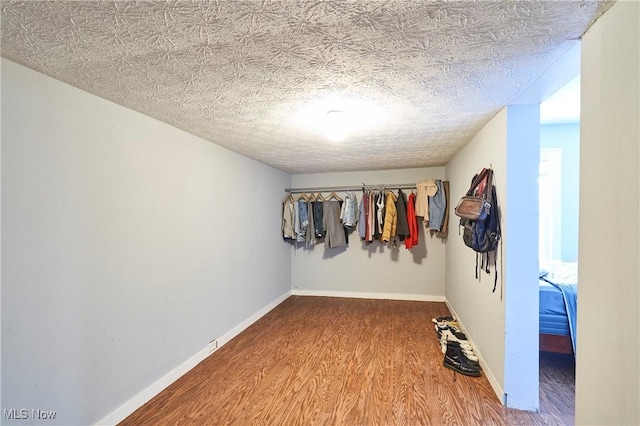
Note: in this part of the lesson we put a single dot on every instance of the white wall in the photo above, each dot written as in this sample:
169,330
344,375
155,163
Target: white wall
375,270
521,218
607,375
481,311
502,325
127,246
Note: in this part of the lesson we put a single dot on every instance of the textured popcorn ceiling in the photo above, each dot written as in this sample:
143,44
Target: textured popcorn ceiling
258,77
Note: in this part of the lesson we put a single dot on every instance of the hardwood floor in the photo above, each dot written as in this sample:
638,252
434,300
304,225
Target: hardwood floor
332,361
557,388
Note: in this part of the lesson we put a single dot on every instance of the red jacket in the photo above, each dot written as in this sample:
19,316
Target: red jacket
412,239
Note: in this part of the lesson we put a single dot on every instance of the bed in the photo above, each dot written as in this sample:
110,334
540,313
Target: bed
558,306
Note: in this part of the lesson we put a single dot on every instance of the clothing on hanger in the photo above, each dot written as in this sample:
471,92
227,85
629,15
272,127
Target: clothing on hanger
379,218
437,207
349,213
444,229
335,236
310,235
402,229
412,221
371,221
318,212
362,225
425,189
287,218
379,215
390,218
303,222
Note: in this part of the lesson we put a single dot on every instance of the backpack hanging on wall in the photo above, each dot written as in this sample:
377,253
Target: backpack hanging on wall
480,220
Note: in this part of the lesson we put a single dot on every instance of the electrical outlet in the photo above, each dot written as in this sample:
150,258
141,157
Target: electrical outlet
213,345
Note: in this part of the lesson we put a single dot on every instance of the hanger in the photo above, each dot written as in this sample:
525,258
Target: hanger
320,197
311,197
334,195
302,196
288,198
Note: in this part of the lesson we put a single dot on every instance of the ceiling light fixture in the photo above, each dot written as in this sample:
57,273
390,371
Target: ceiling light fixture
336,126
339,117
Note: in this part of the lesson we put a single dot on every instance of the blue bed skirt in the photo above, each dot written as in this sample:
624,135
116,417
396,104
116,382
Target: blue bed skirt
559,300
553,313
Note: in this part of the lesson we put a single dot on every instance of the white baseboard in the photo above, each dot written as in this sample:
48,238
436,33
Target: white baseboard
159,385
358,295
485,368
253,318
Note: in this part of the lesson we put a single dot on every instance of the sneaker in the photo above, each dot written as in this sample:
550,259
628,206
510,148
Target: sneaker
453,326
442,319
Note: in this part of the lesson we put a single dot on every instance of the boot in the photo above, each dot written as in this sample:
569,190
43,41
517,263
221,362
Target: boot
461,338
456,360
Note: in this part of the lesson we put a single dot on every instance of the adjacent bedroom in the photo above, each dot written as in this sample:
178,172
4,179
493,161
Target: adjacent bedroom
558,243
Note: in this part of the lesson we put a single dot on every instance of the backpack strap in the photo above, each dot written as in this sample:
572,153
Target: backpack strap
488,189
495,269
477,266
499,236
477,180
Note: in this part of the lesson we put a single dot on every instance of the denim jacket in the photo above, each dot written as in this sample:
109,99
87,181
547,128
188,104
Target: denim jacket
349,213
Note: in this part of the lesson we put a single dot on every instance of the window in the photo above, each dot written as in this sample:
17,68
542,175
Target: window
550,203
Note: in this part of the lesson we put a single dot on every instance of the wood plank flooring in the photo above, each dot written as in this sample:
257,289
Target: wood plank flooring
557,388
333,361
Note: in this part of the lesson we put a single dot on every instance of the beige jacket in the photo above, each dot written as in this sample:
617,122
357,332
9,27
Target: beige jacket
426,188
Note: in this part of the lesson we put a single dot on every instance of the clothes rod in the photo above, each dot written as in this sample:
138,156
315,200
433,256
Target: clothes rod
349,188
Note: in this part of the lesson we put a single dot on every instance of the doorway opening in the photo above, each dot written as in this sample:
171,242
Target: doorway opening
558,185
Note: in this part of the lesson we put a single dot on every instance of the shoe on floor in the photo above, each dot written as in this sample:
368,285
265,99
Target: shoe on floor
442,319
464,345
453,326
456,360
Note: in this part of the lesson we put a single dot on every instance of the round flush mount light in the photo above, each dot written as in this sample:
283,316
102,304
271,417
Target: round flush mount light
336,125
339,117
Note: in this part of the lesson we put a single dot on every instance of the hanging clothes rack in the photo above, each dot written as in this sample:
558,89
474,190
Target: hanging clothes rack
349,188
